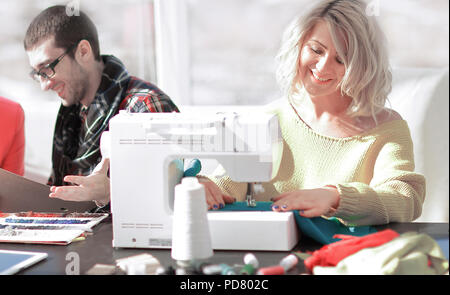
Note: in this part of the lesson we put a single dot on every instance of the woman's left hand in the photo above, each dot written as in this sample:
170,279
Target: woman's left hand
309,202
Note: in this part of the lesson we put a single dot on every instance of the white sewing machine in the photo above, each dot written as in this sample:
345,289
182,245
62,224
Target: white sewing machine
145,153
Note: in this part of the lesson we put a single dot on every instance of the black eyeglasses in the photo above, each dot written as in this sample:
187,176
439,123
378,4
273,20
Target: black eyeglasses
48,71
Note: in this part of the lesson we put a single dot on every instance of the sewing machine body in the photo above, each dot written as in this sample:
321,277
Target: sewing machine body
145,152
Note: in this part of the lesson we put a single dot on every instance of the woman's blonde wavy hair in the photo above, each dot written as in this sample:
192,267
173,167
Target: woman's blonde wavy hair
367,79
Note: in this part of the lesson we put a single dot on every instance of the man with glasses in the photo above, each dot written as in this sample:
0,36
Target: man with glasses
64,55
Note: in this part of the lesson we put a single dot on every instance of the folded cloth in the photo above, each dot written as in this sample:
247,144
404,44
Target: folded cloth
319,229
332,254
409,254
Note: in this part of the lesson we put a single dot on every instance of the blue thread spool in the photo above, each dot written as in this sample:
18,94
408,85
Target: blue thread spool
193,168
226,269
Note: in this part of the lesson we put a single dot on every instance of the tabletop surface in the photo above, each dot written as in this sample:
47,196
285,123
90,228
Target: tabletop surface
97,249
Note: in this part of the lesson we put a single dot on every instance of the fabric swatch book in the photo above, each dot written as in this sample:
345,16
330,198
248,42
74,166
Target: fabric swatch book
46,228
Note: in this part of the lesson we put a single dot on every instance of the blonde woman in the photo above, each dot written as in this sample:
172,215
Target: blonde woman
345,154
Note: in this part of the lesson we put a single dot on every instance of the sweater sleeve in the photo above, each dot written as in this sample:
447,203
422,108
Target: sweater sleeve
237,190
395,193
14,160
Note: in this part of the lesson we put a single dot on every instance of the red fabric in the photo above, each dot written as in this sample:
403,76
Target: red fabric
331,254
12,136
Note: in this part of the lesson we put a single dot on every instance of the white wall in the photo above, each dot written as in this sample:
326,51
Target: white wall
233,43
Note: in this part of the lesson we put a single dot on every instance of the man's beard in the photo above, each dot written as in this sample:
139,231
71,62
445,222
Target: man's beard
79,92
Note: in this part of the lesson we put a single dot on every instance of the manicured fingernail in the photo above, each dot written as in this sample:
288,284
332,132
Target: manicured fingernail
221,206
215,207
275,207
284,206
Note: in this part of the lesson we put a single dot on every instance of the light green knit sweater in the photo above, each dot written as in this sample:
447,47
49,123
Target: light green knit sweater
373,171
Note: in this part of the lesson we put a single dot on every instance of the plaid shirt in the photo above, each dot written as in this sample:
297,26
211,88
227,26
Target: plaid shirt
76,141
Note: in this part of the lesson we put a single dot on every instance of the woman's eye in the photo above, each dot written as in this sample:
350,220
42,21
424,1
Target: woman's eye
316,50
339,61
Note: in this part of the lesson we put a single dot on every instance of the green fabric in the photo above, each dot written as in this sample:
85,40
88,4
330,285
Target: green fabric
320,229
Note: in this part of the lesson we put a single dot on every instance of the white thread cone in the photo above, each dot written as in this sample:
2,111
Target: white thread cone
191,238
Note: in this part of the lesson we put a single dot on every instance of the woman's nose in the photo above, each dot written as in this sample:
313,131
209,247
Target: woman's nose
323,64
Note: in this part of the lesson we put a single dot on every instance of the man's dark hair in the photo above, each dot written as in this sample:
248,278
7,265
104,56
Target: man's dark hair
67,30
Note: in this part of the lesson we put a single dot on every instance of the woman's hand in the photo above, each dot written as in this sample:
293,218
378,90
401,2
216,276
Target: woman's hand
94,187
309,202
215,199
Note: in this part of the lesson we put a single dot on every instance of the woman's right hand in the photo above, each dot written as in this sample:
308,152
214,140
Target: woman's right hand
215,199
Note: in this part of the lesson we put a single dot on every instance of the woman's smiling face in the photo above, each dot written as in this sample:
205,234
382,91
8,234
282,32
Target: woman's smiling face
320,68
